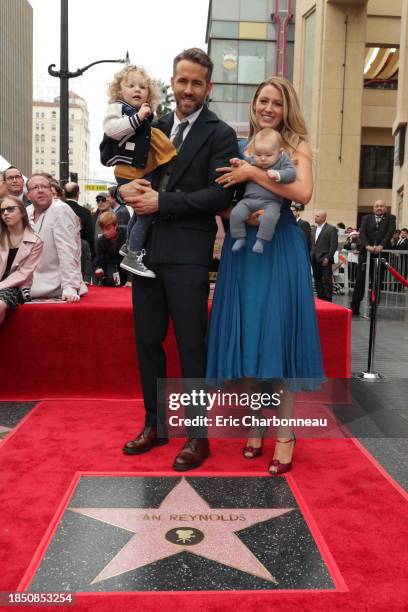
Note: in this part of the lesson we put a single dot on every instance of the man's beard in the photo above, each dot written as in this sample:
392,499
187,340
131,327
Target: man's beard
190,108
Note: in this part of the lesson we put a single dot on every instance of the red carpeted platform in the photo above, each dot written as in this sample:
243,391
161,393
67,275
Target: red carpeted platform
359,513
88,350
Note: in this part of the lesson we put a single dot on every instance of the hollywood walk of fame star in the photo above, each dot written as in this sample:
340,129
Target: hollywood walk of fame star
4,431
183,522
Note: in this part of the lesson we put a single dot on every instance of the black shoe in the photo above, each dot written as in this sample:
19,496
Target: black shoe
355,310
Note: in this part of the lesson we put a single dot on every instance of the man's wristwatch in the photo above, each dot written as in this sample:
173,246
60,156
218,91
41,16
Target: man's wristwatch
117,196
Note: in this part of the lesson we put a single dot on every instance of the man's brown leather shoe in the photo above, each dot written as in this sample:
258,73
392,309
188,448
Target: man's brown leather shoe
192,455
145,441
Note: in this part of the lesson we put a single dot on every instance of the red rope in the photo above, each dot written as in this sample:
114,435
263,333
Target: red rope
396,274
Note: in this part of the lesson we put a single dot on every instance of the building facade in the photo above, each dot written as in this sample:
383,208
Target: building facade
350,68
346,70
247,41
400,132
16,82
45,148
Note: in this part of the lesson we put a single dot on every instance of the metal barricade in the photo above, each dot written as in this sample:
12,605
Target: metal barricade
393,293
344,271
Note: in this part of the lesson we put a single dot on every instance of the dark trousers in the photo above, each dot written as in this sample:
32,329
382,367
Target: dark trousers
323,278
179,292
358,292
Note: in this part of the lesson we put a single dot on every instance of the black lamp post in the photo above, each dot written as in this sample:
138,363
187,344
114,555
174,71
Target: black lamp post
64,75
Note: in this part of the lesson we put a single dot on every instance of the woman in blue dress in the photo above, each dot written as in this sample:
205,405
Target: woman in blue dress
263,323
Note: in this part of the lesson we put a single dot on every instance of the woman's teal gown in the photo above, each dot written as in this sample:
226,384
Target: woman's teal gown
263,321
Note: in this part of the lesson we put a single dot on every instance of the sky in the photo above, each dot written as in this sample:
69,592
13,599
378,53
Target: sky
152,32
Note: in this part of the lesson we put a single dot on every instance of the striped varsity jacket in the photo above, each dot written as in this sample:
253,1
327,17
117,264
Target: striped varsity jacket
126,139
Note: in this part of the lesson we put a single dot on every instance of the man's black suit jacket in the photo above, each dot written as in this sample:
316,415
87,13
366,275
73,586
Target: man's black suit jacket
185,228
307,231
371,235
86,221
326,244
403,246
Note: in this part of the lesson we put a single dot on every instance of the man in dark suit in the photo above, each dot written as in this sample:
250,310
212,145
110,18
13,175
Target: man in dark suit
304,225
185,198
324,245
394,239
400,262
402,243
72,196
376,232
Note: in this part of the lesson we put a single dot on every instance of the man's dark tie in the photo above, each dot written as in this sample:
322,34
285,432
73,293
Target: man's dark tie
177,143
178,138
377,221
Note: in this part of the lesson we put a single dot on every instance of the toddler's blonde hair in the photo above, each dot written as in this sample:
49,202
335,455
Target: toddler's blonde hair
115,86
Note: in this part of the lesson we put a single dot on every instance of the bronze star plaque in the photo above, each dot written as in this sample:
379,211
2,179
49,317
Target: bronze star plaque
183,508
181,534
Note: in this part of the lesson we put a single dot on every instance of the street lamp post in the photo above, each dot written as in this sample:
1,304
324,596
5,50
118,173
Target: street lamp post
64,75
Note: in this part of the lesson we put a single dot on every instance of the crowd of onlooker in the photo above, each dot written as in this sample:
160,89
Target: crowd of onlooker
51,247
333,248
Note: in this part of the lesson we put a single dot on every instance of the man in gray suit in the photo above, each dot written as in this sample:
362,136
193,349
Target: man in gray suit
324,245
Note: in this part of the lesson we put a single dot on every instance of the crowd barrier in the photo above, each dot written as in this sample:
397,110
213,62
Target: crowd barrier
393,293
380,265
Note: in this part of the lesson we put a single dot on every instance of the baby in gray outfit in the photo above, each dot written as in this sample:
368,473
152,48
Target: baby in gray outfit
268,155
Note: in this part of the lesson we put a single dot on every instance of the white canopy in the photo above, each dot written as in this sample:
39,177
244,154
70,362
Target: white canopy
5,164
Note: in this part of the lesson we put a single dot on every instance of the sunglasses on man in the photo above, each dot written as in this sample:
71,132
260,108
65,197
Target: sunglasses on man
100,200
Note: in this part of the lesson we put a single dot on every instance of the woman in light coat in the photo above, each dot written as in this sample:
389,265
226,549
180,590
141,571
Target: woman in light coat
20,252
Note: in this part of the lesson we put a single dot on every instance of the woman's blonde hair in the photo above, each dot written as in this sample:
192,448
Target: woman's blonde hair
293,129
4,230
114,88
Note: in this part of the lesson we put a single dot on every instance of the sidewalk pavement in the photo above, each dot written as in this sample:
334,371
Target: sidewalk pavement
384,428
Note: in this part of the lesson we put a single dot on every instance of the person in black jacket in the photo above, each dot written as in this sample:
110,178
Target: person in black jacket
394,239
71,198
376,232
324,245
399,242
402,243
108,258
304,225
185,199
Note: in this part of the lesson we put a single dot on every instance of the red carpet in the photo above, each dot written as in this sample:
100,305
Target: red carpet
359,513
88,350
